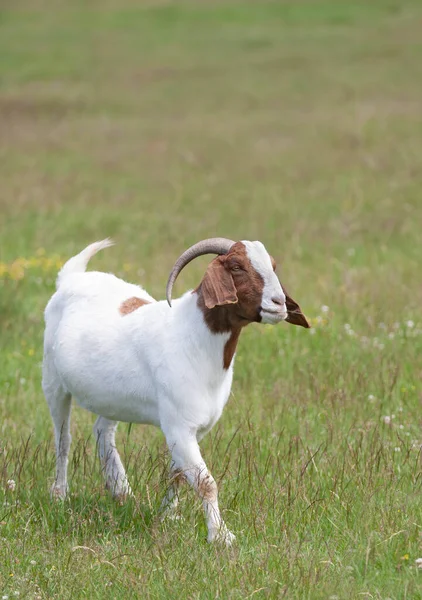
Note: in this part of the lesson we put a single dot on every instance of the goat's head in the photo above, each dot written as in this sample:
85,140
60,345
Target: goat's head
243,276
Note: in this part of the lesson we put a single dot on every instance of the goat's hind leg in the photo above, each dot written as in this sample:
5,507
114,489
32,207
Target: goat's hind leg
59,402
170,502
114,472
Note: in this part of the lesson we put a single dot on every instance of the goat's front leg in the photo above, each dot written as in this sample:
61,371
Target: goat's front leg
187,459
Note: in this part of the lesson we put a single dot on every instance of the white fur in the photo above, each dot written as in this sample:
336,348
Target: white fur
156,365
261,262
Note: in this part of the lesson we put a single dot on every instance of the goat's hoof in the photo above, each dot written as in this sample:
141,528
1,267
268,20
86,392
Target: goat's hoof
121,497
119,493
58,493
221,536
170,515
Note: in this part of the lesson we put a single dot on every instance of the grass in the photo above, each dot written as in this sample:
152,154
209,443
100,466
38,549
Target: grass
296,123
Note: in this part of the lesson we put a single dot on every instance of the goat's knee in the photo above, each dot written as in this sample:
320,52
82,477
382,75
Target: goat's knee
207,488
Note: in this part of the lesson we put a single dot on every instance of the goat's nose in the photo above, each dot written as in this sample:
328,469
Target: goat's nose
278,300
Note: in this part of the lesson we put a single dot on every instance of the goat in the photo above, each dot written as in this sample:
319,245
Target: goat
126,357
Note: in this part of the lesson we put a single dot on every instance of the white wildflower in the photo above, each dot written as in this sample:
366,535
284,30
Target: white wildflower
418,563
32,562
387,419
11,485
325,308
397,449
348,329
410,324
371,397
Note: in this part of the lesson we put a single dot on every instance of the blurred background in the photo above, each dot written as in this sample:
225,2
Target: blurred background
160,123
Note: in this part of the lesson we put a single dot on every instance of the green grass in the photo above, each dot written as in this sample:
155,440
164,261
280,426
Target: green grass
296,123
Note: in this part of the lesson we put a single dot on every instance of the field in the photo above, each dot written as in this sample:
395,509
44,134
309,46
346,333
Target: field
298,123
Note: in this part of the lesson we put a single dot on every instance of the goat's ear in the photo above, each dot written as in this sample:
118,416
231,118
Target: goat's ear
218,286
295,315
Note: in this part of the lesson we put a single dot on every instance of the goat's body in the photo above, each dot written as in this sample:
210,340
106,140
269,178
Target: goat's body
126,357
156,365
142,367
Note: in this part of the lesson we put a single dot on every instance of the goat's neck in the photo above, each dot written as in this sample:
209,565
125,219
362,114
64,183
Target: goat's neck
222,319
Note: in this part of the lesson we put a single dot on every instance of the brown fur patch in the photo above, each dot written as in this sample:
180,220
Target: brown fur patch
131,304
230,348
207,488
177,477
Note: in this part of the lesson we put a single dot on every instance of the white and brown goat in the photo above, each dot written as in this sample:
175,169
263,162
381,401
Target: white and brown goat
126,357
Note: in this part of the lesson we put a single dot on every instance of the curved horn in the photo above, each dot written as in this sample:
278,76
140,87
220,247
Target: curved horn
209,246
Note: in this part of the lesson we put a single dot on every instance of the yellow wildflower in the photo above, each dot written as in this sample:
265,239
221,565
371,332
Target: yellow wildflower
16,271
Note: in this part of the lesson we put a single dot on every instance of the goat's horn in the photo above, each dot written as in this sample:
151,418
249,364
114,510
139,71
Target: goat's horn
209,246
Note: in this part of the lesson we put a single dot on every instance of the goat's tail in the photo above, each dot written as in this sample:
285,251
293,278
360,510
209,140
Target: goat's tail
78,263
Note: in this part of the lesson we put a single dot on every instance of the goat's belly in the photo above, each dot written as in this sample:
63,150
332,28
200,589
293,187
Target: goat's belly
115,408
116,388
114,401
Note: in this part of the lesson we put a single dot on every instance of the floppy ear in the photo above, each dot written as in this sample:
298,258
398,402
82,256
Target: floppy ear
295,315
218,286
